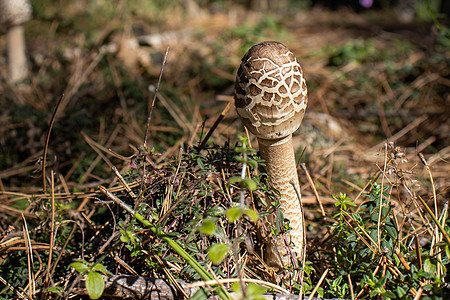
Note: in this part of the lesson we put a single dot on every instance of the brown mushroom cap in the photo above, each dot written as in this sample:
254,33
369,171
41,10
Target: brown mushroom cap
270,91
14,12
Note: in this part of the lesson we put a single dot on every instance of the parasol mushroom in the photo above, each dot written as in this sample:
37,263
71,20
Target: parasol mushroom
270,98
13,14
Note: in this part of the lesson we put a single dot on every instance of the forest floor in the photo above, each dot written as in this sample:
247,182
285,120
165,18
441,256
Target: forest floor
375,136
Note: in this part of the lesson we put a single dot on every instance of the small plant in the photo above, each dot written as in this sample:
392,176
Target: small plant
376,243
245,152
235,214
343,202
95,283
355,51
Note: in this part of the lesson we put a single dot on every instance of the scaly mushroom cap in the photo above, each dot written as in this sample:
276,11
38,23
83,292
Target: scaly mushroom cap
270,91
14,12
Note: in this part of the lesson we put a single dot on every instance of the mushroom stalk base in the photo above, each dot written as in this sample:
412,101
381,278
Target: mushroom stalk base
16,54
281,169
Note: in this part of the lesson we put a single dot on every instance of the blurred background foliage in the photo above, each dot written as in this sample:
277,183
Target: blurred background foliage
104,55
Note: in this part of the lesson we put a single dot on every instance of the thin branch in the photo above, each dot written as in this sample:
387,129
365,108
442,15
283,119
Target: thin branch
47,139
435,220
316,194
322,278
154,99
52,231
216,123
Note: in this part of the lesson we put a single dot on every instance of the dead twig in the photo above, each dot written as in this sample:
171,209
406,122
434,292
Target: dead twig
322,278
216,123
154,99
316,194
47,139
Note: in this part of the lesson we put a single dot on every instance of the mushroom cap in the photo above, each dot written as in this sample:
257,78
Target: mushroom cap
14,12
270,91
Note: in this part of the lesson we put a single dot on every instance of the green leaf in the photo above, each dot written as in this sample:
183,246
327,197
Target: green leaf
251,214
173,259
374,217
350,203
321,292
101,268
55,289
248,184
201,294
207,226
217,252
200,163
254,290
234,179
95,285
233,214
79,267
243,140
400,291
127,236
236,287
357,218
245,183
428,266
280,218
252,163
389,294
374,235
262,200
386,243
384,211
216,211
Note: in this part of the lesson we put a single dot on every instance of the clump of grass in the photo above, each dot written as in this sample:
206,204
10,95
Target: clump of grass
387,242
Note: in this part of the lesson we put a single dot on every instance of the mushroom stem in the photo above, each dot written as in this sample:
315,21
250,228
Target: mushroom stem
271,99
16,53
281,170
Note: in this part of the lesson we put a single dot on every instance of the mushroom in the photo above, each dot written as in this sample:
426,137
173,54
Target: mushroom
13,14
270,99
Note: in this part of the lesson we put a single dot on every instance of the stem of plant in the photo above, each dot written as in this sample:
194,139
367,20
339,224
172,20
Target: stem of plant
441,229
